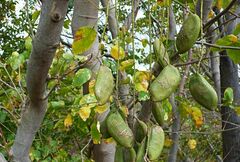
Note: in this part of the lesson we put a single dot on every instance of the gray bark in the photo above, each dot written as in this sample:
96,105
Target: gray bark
45,44
230,78
86,14
172,157
205,5
108,4
215,64
128,21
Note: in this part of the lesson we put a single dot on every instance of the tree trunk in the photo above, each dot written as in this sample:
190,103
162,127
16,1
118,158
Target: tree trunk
86,14
230,120
45,44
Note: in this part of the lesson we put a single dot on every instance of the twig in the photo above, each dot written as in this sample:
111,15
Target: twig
64,75
196,61
210,22
29,22
218,46
85,148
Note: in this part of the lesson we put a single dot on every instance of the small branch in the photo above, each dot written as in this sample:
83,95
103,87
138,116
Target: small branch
222,24
152,17
218,46
65,43
213,20
85,148
196,61
64,75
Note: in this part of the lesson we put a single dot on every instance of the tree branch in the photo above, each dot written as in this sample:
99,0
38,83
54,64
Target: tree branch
213,20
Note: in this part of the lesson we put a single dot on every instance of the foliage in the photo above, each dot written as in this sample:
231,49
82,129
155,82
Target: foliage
70,125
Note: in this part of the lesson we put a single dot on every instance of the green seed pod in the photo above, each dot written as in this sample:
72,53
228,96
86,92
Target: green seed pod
155,142
160,53
203,92
141,130
104,85
141,151
165,84
188,33
103,130
119,154
132,155
158,113
119,130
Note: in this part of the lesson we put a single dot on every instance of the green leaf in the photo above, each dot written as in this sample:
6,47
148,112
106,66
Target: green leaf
57,104
143,96
66,24
3,116
225,3
237,29
144,42
234,55
35,15
228,96
225,41
28,43
16,60
68,56
83,39
81,77
95,133
88,99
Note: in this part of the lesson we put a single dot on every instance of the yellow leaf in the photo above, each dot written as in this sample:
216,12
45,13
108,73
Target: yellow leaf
168,142
141,80
124,109
85,112
126,64
211,14
83,39
109,140
143,86
192,144
102,108
68,121
237,110
91,86
164,3
117,52
233,38
111,98
197,116
219,4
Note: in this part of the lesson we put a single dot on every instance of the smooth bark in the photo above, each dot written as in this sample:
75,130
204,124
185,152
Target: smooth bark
230,120
86,14
45,44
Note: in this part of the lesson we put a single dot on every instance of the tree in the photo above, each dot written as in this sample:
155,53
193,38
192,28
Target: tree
59,103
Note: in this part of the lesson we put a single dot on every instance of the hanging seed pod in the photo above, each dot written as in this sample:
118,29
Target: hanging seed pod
158,112
104,85
119,154
119,130
155,142
165,84
203,92
189,33
160,53
141,151
141,130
